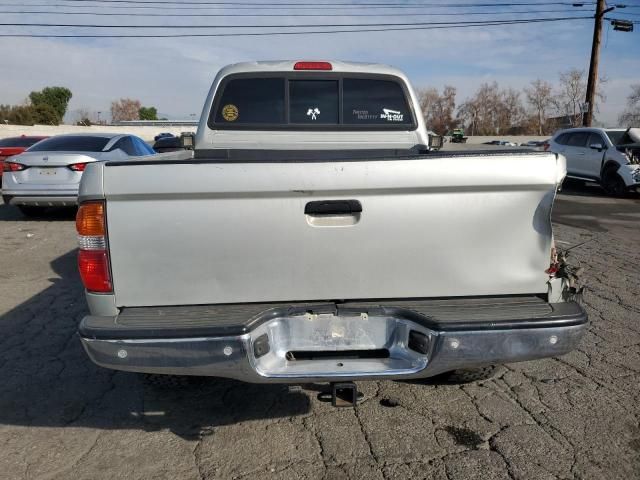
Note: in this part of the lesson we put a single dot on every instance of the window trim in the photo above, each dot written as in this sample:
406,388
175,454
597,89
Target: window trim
287,126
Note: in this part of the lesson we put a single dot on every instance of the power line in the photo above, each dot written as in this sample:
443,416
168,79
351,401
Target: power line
187,6
315,4
138,14
133,4
308,32
302,25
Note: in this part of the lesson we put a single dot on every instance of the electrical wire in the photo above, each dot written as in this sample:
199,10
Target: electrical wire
283,33
302,25
189,5
266,7
330,4
138,14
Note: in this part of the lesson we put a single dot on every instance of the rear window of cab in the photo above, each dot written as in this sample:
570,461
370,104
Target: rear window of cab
307,103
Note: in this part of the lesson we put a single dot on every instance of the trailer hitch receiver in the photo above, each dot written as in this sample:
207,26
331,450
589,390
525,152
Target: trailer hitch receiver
344,394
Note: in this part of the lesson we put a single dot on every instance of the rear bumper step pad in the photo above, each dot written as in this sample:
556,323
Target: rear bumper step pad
238,319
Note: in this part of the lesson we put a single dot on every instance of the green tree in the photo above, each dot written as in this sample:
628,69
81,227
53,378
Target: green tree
56,97
28,114
44,114
21,115
4,113
148,113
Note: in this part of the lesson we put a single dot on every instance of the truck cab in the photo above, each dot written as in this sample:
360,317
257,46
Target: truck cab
312,106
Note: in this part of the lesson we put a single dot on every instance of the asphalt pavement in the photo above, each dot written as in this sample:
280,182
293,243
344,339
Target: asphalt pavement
577,416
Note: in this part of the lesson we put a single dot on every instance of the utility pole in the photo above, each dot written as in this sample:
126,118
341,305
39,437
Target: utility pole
601,10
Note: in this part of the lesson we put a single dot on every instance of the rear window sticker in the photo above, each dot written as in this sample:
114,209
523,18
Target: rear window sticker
313,113
230,113
392,115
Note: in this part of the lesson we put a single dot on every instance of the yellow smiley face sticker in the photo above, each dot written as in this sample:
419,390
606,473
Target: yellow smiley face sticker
230,113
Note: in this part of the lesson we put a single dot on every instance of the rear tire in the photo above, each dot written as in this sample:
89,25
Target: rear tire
469,375
31,211
613,183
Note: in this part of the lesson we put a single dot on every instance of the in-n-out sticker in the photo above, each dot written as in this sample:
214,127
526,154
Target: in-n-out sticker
313,113
392,115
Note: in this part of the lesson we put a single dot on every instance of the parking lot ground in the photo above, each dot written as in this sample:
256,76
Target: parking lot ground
576,416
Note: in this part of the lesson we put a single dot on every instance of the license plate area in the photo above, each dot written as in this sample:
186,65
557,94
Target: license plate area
49,175
329,346
298,355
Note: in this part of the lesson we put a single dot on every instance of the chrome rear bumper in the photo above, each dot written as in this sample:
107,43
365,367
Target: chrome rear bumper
342,345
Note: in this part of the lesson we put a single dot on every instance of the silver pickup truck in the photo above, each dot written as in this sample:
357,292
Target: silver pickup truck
314,237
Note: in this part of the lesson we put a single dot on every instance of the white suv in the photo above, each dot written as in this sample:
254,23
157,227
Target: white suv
610,157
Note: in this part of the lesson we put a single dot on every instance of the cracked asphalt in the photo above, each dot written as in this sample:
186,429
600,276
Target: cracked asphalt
576,416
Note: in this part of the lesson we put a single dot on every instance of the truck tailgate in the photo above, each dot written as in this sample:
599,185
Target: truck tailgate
199,232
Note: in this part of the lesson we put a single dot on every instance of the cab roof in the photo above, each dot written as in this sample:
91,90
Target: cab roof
287,66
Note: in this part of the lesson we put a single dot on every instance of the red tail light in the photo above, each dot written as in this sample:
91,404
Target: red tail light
13,167
546,146
94,270
93,257
78,167
313,66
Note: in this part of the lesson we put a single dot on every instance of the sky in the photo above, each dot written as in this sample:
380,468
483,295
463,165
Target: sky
174,74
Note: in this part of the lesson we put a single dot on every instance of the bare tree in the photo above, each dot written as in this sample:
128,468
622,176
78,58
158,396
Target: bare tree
427,97
631,116
511,112
480,112
445,108
438,108
572,92
125,109
492,111
540,99
83,117
573,89
468,114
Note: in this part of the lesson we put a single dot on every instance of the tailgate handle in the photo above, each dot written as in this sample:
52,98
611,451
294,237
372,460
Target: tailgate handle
333,207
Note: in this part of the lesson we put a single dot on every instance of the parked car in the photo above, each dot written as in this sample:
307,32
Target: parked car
610,157
167,144
314,238
13,146
504,143
163,135
537,144
48,173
